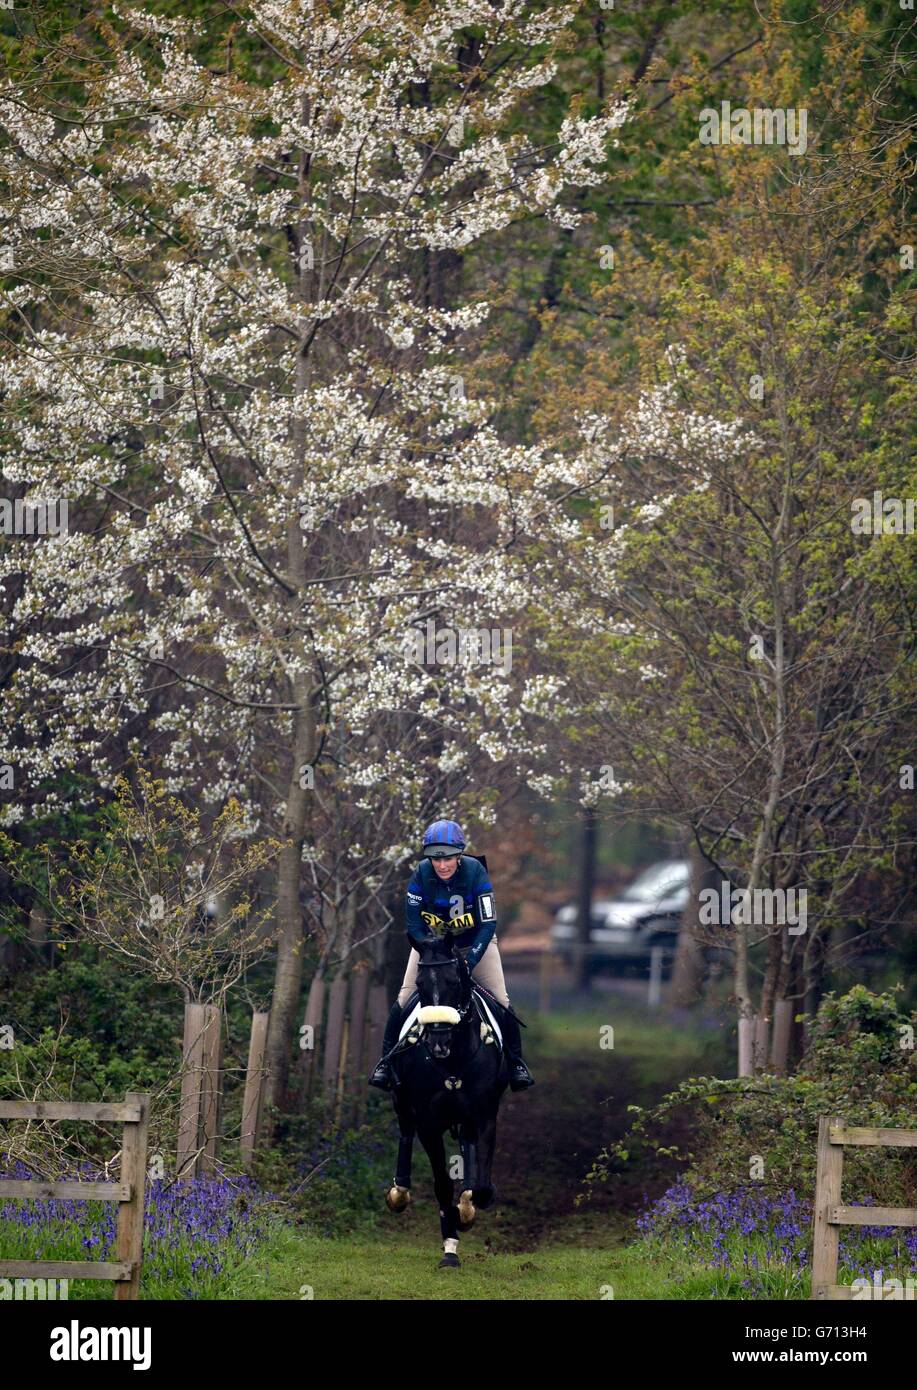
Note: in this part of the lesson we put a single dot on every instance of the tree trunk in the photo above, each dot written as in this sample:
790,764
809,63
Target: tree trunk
783,1009
761,1040
748,1029
783,1027
581,971
288,972
688,969
795,991
813,968
768,994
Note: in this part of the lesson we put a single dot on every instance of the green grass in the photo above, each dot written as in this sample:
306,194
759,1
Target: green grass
403,1265
657,1049
533,1245
586,1254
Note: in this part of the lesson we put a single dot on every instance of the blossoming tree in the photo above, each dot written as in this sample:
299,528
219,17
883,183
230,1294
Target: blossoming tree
230,350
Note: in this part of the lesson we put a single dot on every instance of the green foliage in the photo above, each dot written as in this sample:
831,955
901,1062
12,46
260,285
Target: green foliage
92,996
858,1068
332,1178
87,1030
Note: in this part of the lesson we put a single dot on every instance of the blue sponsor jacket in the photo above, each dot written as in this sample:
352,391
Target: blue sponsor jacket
462,905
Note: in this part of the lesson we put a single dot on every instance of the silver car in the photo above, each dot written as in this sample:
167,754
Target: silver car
646,914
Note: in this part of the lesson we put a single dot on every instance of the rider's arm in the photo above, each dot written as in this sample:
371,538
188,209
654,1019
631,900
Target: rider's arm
413,902
485,915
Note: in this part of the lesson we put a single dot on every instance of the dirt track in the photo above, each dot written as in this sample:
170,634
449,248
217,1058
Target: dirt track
549,1136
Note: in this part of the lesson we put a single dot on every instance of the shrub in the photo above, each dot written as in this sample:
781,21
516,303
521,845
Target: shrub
861,1067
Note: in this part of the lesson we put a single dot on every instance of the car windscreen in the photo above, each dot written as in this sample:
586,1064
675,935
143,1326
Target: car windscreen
656,883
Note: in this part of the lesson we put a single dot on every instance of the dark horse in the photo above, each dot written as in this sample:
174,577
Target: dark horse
450,1073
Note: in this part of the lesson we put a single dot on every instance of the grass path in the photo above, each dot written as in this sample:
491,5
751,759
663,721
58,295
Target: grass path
537,1243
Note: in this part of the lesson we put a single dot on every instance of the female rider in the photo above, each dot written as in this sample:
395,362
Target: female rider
451,892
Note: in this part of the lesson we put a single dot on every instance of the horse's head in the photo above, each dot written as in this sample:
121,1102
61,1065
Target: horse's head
444,987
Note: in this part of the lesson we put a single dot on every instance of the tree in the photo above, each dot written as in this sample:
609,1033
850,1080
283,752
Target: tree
219,355
741,655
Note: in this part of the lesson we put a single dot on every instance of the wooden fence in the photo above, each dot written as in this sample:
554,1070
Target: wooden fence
340,1040
133,1114
347,1019
201,1092
831,1215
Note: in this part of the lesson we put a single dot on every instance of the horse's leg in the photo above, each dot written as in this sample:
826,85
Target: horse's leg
398,1196
470,1168
483,1194
442,1186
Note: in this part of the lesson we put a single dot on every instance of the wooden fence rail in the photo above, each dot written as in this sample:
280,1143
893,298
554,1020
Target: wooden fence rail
129,1192
831,1214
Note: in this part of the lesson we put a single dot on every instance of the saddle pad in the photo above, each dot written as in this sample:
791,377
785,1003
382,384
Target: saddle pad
414,1012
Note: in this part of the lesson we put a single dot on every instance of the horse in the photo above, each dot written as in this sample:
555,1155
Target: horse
449,1073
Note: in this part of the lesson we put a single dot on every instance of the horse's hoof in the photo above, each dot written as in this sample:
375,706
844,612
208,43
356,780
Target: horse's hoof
398,1199
484,1197
449,1262
466,1211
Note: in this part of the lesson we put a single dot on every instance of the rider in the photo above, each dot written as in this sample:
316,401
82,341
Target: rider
449,893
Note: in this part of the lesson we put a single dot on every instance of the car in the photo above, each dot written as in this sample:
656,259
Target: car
646,914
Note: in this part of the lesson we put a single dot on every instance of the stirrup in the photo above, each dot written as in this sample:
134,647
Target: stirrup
382,1077
520,1078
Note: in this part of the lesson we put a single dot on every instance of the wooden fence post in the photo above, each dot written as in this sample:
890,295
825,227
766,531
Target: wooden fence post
761,1037
191,1084
654,991
340,1088
746,1046
783,1025
829,1168
356,1079
337,1002
314,1009
130,1214
378,1011
254,1087
212,1089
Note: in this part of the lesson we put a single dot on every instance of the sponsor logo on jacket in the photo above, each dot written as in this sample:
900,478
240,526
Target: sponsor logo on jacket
439,926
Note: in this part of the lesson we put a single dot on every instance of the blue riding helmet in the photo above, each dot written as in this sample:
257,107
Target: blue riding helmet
442,839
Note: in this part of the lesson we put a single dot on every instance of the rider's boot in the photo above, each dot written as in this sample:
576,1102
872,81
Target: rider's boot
519,1075
382,1076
